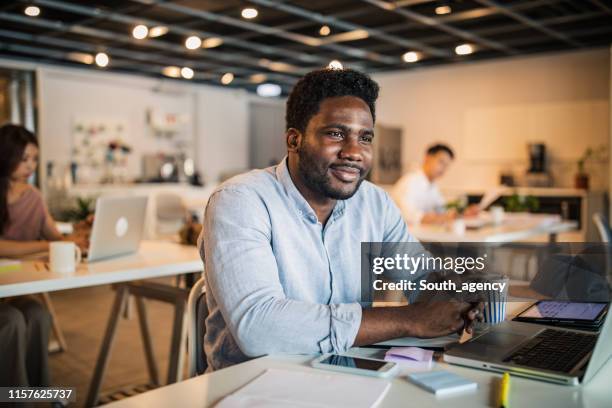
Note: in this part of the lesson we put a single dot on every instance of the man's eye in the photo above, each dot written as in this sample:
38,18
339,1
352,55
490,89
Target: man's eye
367,138
335,134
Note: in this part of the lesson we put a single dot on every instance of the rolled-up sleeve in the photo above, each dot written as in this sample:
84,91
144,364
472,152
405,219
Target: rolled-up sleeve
242,275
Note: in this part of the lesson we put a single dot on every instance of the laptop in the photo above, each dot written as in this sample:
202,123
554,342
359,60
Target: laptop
562,356
118,227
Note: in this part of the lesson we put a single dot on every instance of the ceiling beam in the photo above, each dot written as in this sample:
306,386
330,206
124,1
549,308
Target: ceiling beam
345,25
431,22
130,20
102,34
298,38
529,22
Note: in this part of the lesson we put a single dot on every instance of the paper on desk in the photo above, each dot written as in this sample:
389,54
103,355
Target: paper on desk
436,342
307,389
400,354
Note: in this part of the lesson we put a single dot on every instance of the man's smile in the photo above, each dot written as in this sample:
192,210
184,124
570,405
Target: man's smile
346,173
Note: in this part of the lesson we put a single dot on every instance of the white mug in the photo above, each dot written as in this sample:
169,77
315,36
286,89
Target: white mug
458,226
64,256
497,213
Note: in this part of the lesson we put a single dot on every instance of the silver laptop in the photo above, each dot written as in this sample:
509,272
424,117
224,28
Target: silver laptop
536,351
118,227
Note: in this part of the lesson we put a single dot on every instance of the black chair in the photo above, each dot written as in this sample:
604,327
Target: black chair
197,311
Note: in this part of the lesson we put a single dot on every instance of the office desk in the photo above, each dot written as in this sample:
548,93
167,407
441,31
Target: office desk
154,259
206,390
515,227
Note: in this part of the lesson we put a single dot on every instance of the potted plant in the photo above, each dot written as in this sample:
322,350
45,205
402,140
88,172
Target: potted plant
581,179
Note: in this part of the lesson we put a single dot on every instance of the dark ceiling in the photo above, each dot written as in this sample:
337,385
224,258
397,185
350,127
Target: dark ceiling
283,41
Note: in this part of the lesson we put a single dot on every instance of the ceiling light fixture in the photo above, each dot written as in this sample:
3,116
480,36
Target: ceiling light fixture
187,72
227,78
32,11
258,78
193,43
102,59
410,56
140,32
335,64
158,31
81,57
464,49
269,90
441,10
249,13
324,30
212,42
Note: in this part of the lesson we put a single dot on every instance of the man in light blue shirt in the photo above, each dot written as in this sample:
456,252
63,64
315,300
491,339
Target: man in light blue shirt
282,245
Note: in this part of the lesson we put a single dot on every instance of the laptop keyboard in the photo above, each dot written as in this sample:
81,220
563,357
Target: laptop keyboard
555,350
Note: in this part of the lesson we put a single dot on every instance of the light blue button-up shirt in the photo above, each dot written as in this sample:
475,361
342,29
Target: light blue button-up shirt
278,281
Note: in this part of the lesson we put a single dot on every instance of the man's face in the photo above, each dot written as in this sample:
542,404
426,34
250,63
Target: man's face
335,151
436,164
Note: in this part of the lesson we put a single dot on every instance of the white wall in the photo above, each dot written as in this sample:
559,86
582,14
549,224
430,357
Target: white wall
489,111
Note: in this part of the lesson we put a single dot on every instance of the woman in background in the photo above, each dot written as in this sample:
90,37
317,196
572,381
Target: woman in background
25,228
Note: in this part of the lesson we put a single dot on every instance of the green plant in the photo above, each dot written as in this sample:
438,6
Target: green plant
521,203
80,210
598,153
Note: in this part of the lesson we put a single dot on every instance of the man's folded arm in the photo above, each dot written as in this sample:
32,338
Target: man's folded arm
242,275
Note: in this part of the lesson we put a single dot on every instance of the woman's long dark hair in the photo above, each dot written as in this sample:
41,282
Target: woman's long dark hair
13,141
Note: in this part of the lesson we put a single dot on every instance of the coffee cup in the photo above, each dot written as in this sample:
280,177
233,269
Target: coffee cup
64,256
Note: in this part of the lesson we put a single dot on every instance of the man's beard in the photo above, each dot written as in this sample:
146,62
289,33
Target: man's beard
315,176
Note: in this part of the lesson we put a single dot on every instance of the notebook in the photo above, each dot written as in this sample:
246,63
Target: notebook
442,382
308,389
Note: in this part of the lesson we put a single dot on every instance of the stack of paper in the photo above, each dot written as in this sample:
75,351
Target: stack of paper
308,389
7,265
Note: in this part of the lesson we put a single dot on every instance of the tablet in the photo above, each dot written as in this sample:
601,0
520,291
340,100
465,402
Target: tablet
582,315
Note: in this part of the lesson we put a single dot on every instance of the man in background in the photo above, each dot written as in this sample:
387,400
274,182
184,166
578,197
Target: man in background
417,194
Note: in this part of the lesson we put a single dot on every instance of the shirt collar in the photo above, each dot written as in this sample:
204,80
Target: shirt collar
297,199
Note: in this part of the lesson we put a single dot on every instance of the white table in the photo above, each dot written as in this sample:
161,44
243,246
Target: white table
208,389
515,227
154,259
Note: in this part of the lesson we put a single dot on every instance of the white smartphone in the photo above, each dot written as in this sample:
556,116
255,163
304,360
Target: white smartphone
355,365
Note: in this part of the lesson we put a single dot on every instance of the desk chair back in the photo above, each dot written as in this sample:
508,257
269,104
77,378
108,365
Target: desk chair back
197,311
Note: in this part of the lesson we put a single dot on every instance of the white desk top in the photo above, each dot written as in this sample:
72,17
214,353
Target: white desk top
207,390
516,227
154,259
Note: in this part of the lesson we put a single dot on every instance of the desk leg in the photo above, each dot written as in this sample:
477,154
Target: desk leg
552,237
176,346
146,340
107,343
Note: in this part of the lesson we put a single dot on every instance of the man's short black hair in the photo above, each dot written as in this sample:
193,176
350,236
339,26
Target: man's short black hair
439,147
308,93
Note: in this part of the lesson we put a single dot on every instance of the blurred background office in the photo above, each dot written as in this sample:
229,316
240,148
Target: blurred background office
170,98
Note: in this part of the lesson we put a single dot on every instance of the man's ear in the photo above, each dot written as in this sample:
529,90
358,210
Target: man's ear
294,139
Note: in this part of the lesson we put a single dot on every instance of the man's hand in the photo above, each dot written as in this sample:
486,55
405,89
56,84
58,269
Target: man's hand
421,319
439,318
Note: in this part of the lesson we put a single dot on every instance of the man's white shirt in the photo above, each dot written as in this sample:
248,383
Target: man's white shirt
416,195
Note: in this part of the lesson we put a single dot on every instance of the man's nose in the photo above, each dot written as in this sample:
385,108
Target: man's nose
352,149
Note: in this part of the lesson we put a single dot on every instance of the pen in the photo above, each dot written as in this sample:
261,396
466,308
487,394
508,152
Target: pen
504,391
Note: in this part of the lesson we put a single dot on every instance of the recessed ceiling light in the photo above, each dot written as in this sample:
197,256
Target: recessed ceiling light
212,42
140,32
258,78
158,31
227,78
464,49
410,56
249,13
335,64
102,59
193,43
187,72
172,72
440,10
268,90
31,11
324,30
